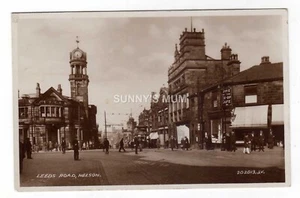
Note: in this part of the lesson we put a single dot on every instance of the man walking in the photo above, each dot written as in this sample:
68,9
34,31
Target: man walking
172,142
122,145
63,146
106,145
232,141
261,141
21,155
136,144
253,141
76,149
28,148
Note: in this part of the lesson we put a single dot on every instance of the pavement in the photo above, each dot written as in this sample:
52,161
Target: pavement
268,158
152,166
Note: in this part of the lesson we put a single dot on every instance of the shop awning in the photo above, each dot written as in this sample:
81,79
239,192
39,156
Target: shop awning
251,117
153,135
277,114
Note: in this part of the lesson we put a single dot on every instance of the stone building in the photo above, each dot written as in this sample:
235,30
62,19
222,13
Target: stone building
51,116
249,101
192,71
144,122
160,116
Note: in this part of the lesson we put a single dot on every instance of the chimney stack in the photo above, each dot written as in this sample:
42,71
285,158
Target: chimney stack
265,60
38,90
59,89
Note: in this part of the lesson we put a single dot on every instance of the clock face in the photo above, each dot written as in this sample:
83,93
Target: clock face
78,54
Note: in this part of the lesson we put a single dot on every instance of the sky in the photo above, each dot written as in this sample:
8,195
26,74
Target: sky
131,56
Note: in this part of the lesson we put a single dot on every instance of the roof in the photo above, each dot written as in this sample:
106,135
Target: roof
258,73
263,72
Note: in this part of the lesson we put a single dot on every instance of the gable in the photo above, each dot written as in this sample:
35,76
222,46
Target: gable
51,96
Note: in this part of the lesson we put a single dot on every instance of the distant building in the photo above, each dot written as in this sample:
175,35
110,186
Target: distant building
159,113
51,116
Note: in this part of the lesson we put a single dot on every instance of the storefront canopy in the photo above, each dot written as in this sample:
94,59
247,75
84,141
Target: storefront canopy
153,135
251,117
277,114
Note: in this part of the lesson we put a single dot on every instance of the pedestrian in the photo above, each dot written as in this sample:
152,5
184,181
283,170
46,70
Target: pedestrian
106,146
172,142
21,155
63,146
232,141
206,141
253,141
261,141
158,143
76,148
28,147
271,139
56,146
246,144
182,144
227,141
122,145
136,144
50,146
187,144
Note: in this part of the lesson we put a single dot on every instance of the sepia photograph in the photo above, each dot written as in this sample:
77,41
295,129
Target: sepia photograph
151,99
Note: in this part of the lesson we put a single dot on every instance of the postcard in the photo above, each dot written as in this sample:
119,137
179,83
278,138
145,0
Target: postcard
151,99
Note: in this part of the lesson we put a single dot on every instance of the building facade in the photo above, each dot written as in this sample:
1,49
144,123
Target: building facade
46,118
247,102
160,117
192,71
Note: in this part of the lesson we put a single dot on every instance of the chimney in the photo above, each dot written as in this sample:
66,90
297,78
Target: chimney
234,65
59,89
265,60
225,52
38,90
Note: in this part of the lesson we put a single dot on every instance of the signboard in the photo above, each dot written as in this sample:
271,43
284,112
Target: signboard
226,97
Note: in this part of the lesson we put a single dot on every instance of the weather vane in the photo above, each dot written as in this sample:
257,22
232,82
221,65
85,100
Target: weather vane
77,41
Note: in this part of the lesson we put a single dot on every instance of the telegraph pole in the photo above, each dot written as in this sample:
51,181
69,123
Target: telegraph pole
105,131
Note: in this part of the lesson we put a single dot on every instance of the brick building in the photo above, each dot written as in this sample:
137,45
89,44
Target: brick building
249,101
51,116
192,71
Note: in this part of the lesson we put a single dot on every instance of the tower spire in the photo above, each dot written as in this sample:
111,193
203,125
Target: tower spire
77,41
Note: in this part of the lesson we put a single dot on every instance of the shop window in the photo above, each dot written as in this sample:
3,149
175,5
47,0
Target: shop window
250,94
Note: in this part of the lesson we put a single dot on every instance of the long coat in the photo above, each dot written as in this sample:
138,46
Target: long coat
75,145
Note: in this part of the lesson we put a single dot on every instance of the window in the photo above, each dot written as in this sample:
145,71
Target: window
47,111
53,113
23,112
250,94
214,99
42,110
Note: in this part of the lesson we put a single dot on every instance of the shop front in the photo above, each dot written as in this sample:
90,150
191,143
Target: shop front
250,119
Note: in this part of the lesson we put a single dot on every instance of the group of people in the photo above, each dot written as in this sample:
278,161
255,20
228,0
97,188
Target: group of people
185,144
251,142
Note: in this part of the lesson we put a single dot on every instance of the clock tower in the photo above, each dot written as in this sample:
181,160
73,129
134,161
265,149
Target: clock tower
79,80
